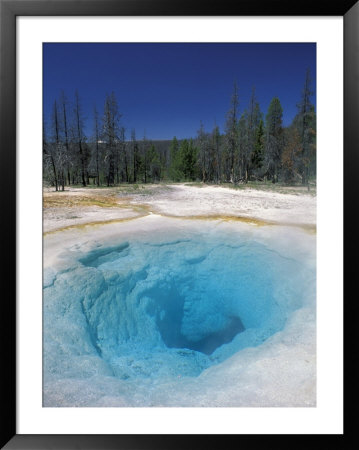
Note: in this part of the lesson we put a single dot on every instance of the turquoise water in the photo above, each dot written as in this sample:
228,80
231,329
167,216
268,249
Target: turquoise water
159,310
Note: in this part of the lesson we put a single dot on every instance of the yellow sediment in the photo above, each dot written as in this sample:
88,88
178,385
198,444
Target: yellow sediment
144,210
310,228
223,217
111,200
73,201
83,226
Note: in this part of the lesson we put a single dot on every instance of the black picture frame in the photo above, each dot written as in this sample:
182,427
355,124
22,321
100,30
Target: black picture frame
9,10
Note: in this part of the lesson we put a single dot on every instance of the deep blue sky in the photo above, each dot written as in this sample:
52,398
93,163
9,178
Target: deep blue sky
165,90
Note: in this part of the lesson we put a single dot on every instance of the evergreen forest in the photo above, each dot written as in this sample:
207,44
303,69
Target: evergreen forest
253,146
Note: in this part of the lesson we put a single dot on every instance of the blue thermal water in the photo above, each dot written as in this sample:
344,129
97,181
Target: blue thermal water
139,309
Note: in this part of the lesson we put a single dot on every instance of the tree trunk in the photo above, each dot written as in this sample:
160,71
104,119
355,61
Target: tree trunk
111,170
82,169
54,170
126,168
97,169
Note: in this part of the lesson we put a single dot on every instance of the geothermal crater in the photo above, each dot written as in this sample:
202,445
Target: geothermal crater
176,307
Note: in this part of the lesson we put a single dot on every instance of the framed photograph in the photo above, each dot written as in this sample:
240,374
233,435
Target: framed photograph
174,221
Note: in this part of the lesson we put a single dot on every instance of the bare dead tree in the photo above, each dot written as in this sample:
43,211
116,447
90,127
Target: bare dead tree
80,135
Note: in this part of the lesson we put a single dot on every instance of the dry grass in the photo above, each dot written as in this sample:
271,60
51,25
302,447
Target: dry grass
104,197
71,200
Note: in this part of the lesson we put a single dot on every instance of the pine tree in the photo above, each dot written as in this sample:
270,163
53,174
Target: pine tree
306,124
66,134
154,163
111,131
145,159
217,163
257,156
56,146
60,152
136,157
274,138
188,159
174,169
242,144
292,150
203,152
232,134
97,142
49,156
79,136
253,119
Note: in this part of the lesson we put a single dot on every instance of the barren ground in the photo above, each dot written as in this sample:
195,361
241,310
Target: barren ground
81,206
281,371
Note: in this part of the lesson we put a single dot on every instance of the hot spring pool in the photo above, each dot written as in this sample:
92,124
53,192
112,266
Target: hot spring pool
138,311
